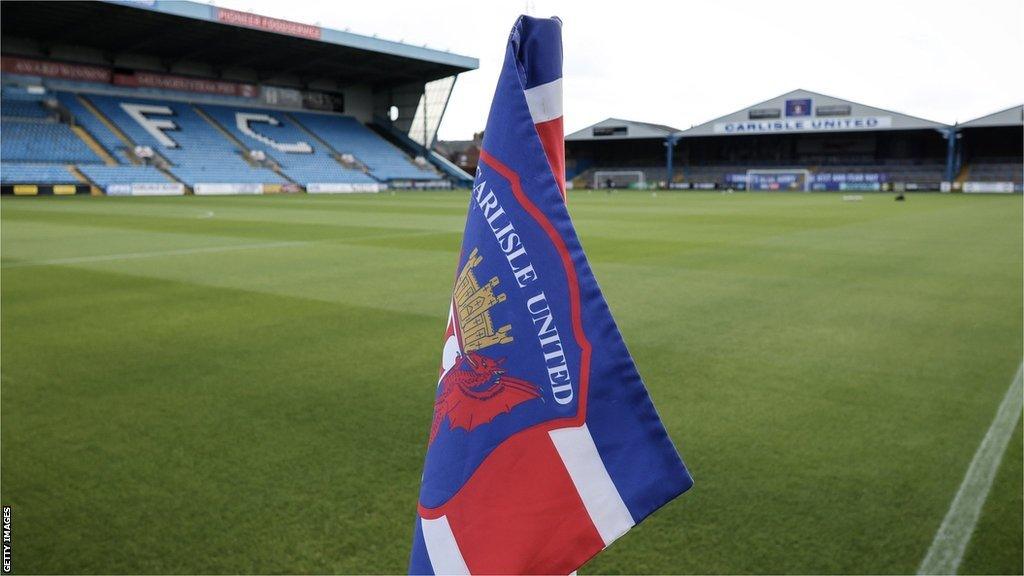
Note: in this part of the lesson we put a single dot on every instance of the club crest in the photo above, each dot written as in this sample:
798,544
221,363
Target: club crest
474,387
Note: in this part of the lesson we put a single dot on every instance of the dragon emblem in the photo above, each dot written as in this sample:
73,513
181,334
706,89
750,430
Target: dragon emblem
475,388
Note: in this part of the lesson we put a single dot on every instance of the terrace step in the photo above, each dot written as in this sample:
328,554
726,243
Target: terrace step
81,177
110,126
94,145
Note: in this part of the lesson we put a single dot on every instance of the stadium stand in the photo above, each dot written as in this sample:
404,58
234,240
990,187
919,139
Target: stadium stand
93,125
162,116
197,152
24,109
203,143
36,173
24,140
992,148
18,93
300,157
347,136
996,170
19,102
108,175
723,176
837,144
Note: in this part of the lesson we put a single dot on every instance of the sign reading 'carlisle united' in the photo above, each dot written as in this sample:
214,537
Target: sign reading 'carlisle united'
811,124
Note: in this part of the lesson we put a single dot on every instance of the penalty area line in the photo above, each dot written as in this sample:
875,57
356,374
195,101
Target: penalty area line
947,549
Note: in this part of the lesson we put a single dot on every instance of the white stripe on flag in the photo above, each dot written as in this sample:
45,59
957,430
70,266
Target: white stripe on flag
545,101
443,550
601,499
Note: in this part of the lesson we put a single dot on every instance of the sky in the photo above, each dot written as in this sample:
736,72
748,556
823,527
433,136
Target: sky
686,62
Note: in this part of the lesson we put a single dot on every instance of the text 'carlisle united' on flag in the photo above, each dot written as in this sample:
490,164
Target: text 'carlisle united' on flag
544,447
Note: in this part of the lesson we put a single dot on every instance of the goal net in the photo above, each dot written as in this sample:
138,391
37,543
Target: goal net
778,179
619,179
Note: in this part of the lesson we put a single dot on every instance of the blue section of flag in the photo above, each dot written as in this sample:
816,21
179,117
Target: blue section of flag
419,561
538,49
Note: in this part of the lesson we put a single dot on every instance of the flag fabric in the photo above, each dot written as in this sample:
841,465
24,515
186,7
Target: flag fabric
545,446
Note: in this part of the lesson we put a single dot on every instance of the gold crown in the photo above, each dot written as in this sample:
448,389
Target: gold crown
472,304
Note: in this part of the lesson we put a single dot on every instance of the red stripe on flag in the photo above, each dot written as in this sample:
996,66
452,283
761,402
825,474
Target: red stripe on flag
552,138
520,513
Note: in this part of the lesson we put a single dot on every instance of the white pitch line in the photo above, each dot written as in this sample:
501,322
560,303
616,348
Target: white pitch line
154,254
947,549
204,250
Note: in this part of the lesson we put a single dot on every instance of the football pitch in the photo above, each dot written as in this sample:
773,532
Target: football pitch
232,385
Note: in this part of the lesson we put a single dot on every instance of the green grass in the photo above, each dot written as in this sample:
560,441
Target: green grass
996,545
827,369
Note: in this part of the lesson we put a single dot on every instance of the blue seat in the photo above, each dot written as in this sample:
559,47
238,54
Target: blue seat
201,154
94,126
106,175
24,109
35,174
348,136
42,142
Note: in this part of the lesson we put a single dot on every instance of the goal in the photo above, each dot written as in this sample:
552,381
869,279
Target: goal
619,179
779,179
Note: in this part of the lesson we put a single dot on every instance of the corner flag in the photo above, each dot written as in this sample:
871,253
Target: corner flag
544,447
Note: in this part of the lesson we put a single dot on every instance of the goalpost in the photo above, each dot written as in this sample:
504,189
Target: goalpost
778,179
619,179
